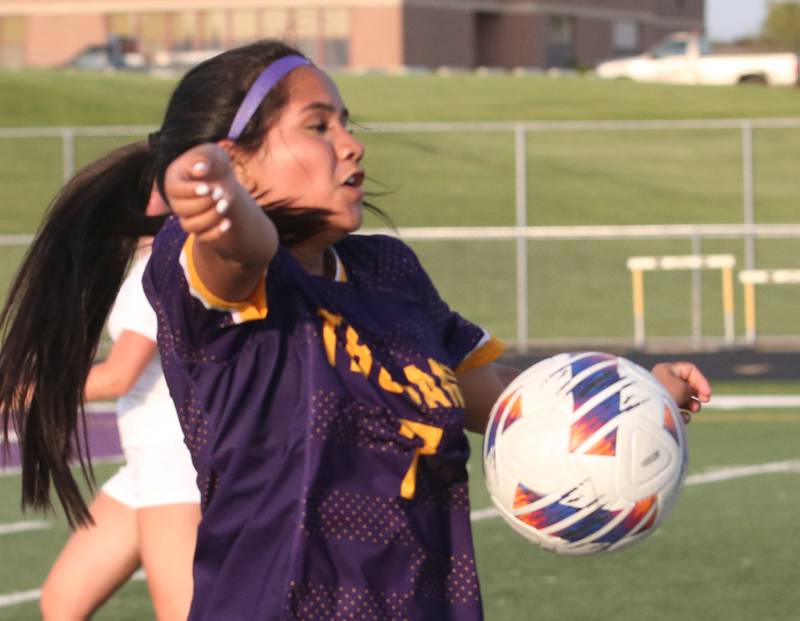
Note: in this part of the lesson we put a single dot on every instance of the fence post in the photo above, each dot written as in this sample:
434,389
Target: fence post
748,193
68,152
521,195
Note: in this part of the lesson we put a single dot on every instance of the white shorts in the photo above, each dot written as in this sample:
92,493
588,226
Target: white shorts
157,474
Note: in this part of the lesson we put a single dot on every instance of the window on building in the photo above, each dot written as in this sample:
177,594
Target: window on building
212,29
560,41
487,27
182,31
12,37
121,24
153,33
275,23
625,37
336,37
244,26
560,30
305,30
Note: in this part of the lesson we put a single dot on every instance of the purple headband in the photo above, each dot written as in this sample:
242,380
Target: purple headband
261,88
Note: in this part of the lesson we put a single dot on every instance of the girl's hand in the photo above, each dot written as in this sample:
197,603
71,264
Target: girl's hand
235,239
200,186
686,384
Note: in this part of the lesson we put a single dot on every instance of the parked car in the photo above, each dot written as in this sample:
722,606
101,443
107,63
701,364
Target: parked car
687,58
121,53
118,53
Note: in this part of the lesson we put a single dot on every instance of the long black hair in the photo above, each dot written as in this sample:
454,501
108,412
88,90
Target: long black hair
64,290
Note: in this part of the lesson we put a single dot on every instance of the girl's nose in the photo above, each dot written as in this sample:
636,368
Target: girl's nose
351,148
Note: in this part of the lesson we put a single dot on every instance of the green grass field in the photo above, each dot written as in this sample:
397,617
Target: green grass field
451,179
725,553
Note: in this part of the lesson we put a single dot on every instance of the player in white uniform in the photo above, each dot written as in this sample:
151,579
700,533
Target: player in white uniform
147,513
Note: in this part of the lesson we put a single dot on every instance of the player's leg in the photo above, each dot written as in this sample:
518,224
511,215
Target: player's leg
167,535
168,514
95,561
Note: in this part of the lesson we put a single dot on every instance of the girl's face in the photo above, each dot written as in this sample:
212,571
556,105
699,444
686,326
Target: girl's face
308,157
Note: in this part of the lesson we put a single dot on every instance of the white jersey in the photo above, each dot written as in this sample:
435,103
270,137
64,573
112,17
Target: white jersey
146,412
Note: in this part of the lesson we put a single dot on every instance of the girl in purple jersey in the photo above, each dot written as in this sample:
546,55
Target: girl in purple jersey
322,385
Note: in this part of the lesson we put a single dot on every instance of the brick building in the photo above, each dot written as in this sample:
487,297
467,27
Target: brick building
354,34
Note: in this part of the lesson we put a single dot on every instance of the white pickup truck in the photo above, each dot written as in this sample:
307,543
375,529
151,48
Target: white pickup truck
686,58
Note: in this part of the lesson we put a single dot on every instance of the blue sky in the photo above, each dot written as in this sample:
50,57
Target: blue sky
733,19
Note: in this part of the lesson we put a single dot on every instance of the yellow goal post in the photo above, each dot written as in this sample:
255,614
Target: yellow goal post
641,264
749,280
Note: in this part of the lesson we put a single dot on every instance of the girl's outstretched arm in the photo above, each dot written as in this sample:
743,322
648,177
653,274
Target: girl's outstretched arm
483,385
235,240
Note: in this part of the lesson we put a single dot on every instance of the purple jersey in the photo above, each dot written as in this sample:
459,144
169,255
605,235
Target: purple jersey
326,426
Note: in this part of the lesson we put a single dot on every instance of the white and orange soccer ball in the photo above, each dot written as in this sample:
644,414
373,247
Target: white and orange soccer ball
584,453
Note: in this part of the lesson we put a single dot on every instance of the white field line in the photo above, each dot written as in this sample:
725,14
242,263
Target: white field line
22,597
724,402
100,407
713,475
23,527
96,461
755,402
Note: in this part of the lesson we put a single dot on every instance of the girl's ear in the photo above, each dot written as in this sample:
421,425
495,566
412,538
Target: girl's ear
238,160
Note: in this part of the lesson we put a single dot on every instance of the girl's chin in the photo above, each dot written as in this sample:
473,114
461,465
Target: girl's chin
350,221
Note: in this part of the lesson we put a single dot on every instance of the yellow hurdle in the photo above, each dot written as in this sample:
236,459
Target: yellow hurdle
723,262
749,280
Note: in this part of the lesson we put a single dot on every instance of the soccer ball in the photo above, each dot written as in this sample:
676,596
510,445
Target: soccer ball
584,453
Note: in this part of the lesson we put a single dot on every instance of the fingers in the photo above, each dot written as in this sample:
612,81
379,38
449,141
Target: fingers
194,173
686,384
700,388
200,185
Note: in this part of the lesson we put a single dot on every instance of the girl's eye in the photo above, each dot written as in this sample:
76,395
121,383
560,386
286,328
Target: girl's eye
320,127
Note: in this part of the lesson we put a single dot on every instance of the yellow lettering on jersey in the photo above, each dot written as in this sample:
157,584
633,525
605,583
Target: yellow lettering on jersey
421,385
386,382
360,354
427,386
414,395
329,325
431,437
447,378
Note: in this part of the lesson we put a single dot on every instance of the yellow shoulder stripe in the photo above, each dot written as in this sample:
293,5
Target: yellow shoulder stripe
253,307
488,352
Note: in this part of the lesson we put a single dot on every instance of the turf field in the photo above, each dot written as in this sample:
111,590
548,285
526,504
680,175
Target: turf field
451,179
725,552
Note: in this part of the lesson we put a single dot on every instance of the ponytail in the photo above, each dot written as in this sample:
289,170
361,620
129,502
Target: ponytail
54,315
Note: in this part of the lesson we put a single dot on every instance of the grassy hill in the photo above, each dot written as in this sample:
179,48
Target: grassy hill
80,98
460,179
